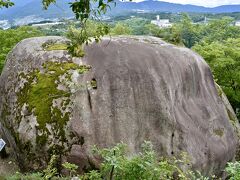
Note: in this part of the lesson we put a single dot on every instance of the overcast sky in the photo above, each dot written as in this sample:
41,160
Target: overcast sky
207,3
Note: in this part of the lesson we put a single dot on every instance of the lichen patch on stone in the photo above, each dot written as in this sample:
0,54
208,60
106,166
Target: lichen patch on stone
42,96
53,46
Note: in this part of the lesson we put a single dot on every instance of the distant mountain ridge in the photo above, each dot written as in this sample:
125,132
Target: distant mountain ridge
34,8
151,5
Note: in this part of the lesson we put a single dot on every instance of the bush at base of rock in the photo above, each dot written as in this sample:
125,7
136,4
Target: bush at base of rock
118,166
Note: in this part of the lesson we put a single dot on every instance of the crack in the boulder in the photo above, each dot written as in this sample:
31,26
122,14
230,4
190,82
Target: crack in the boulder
172,153
89,100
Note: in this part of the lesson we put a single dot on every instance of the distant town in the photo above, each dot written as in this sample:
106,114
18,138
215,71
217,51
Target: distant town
165,23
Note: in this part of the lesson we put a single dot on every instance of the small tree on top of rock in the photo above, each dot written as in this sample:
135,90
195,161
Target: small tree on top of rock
83,10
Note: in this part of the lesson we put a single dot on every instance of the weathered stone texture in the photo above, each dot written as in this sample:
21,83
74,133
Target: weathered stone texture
146,90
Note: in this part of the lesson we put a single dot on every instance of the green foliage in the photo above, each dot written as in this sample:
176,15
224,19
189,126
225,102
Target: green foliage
233,170
77,40
51,172
187,33
28,176
6,3
83,10
51,169
118,166
93,83
86,34
173,35
72,168
92,175
184,32
145,165
39,92
9,38
137,25
153,30
94,27
84,68
224,60
121,29
220,30
55,46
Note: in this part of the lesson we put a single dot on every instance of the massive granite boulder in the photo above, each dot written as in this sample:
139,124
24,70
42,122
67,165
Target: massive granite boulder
125,89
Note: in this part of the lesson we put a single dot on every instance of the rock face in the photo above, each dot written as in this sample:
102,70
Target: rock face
127,89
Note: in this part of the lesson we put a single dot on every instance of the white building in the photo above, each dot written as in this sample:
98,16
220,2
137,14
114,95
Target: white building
237,23
162,23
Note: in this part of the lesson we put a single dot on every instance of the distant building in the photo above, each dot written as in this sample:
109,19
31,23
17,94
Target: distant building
237,23
162,23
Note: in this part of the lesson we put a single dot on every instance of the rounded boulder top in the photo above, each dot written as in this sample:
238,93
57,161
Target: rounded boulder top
124,89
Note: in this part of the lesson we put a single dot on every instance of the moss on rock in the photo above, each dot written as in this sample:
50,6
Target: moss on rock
219,132
94,83
39,92
5,112
52,46
84,68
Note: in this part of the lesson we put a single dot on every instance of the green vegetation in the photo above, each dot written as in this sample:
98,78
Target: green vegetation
224,60
84,68
233,169
51,169
6,3
9,38
40,91
84,35
137,25
20,176
121,29
117,165
188,34
94,83
145,165
72,168
55,46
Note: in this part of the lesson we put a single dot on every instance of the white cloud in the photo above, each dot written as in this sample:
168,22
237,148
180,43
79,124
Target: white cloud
206,3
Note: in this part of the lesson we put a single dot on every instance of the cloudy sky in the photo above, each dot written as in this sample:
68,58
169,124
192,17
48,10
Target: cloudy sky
207,3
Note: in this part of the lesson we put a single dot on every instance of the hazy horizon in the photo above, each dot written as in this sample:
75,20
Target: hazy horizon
205,3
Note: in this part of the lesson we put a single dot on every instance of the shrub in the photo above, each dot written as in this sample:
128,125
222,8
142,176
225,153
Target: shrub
233,170
118,166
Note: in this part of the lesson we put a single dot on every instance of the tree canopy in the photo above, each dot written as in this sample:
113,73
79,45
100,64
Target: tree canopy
224,60
6,3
